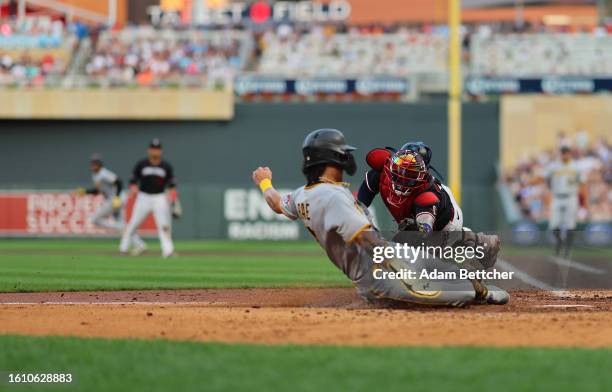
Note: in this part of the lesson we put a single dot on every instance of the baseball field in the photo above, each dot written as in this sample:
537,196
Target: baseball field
278,316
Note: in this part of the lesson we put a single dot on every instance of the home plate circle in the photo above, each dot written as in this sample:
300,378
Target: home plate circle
564,306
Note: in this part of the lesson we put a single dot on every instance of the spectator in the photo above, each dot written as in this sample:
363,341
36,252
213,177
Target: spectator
532,193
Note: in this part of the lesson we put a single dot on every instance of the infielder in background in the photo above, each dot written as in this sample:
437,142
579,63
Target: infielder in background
111,214
344,228
565,181
151,177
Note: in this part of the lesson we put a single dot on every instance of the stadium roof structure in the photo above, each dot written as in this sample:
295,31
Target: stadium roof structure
573,12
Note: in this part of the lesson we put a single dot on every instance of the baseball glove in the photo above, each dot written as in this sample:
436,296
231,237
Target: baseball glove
177,209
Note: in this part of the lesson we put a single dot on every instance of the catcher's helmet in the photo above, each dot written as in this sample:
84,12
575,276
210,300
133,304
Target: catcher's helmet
421,148
407,172
328,146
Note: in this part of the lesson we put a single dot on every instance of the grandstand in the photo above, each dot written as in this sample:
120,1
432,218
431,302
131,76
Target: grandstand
542,54
356,52
146,56
34,51
57,43
41,52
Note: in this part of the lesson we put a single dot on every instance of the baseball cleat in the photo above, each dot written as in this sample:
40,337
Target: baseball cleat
138,250
496,296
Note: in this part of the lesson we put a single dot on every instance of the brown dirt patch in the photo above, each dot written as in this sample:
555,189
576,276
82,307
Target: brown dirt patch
310,316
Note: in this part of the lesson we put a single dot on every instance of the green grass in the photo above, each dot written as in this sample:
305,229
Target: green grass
70,265
60,265
578,253
118,365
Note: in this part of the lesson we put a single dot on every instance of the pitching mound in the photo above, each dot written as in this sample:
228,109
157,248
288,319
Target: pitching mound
310,316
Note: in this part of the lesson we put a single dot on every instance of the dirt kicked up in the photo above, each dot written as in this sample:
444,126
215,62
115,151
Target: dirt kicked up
311,316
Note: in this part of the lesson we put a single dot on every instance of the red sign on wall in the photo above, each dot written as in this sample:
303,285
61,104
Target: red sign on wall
33,213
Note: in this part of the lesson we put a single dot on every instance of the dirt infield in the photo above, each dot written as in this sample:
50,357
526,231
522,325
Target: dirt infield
310,316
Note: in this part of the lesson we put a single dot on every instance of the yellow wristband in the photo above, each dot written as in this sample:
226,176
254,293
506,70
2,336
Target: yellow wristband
265,184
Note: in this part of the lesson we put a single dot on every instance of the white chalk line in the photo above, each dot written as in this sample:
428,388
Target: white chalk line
575,265
564,306
530,280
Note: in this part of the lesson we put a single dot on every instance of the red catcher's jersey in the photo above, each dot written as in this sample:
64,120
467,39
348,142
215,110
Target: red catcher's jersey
400,207
433,199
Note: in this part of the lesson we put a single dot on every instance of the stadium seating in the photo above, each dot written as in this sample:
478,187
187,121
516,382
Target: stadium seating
39,51
320,53
541,54
33,52
148,57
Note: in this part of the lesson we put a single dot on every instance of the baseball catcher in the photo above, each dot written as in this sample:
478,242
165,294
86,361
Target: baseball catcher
418,201
344,228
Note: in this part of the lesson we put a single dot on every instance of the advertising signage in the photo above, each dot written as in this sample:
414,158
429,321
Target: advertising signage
254,13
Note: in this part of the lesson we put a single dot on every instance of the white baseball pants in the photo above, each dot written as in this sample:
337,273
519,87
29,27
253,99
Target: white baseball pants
456,222
106,217
159,205
563,212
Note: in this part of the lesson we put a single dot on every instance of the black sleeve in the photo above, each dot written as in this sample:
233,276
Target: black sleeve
369,187
136,173
171,182
119,186
92,191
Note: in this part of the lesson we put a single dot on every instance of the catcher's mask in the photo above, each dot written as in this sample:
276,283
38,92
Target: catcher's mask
407,173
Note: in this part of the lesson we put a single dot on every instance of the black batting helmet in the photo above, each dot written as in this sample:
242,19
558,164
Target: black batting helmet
325,146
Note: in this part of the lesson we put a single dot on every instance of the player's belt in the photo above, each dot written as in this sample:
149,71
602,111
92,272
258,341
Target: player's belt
562,195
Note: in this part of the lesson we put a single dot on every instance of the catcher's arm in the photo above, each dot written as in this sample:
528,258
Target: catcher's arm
262,177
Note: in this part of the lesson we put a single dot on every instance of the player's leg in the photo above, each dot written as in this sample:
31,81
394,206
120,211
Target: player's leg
142,208
418,290
570,225
136,243
554,223
101,217
456,222
163,220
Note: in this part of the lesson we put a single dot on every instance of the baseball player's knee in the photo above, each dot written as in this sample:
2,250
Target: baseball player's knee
165,230
96,220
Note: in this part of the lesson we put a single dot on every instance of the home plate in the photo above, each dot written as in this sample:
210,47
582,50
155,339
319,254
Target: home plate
564,306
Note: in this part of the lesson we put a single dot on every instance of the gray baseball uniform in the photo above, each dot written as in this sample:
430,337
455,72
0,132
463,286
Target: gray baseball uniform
104,181
333,216
564,179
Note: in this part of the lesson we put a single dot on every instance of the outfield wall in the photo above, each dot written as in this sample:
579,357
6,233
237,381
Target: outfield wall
213,160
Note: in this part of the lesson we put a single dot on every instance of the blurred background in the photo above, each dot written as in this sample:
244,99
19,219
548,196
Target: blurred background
231,85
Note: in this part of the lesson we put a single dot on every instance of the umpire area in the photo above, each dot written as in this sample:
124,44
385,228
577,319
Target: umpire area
336,316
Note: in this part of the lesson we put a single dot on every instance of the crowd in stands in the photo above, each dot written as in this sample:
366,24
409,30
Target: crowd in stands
322,51
148,56
33,51
542,54
26,70
528,184
145,56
